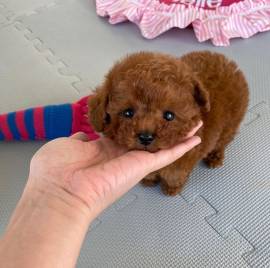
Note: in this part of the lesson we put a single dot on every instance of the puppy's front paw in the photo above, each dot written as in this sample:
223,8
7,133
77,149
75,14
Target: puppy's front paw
171,190
150,180
214,159
173,180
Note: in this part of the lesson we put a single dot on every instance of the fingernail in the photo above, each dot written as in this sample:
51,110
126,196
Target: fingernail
197,139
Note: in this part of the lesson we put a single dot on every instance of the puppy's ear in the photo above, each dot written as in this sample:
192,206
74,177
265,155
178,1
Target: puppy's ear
201,96
97,108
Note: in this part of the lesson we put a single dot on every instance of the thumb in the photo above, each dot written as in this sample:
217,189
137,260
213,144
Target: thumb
80,136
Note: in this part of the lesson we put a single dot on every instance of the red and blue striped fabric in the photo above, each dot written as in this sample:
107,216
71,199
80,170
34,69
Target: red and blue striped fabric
46,123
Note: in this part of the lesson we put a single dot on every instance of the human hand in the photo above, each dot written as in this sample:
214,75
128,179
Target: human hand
70,182
95,174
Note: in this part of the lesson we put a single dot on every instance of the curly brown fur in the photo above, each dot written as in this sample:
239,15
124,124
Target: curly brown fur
198,86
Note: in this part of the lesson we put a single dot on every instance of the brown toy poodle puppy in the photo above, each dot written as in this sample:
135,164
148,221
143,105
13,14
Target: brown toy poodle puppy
150,101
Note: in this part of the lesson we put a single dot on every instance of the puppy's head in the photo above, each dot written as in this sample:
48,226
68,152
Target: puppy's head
148,101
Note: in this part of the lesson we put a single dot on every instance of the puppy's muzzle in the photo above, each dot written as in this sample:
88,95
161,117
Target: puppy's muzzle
146,138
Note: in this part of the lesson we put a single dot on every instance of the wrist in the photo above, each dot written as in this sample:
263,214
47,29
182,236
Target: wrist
45,223
53,198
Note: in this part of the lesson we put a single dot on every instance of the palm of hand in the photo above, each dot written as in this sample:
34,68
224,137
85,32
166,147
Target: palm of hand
78,167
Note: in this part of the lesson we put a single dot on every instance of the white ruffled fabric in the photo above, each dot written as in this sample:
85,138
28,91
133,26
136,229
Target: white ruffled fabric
242,19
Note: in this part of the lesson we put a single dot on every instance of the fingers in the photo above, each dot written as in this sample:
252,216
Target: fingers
80,136
113,178
137,164
131,167
194,130
143,163
168,156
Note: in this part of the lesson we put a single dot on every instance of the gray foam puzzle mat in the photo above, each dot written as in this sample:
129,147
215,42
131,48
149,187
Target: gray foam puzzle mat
16,80
56,51
169,240
242,201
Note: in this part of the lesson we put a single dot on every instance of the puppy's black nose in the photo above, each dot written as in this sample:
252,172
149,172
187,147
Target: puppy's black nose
145,138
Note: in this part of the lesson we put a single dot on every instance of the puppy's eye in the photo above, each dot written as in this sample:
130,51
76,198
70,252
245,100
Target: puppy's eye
107,119
128,113
169,116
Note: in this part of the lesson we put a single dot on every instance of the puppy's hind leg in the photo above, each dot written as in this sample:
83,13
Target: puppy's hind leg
232,119
216,157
